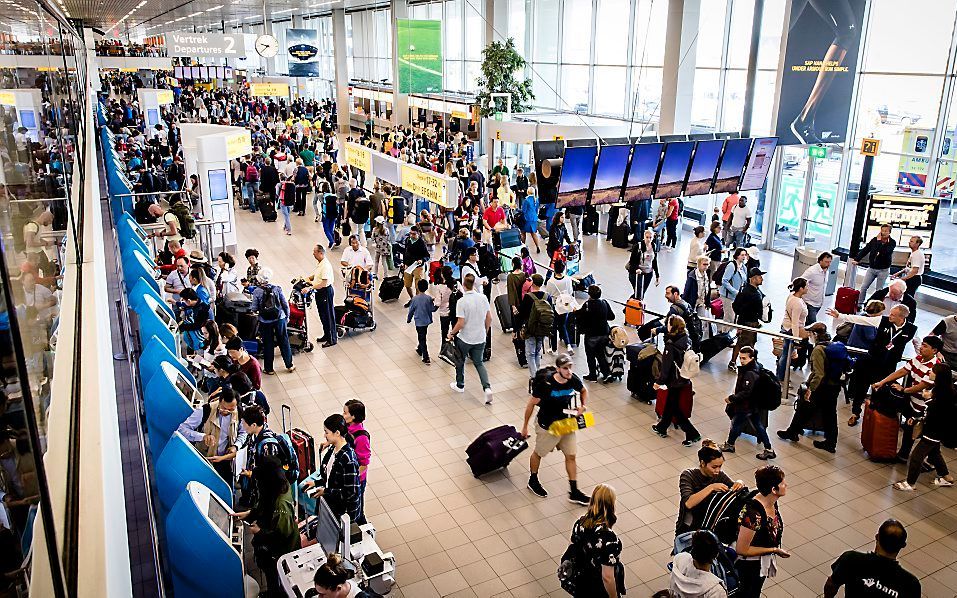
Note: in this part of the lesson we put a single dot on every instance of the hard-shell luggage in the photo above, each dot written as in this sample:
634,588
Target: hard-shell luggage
620,234
434,267
299,206
634,312
239,302
390,288
615,357
590,221
509,238
247,326
504,311
305,451
879,434
847,300
714,345
685,401
268,210
494,449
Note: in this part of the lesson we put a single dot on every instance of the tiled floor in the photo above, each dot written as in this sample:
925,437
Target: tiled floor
454,535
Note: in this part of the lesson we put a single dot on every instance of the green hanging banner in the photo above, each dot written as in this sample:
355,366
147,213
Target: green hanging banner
419,46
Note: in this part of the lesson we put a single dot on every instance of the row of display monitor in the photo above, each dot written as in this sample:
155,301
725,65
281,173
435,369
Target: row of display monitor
203,72
640,171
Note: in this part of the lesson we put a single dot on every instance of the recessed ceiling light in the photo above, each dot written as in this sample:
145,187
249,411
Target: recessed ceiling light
195,14
214,8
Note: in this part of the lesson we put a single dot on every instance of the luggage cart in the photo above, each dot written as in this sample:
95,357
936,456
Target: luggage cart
356,314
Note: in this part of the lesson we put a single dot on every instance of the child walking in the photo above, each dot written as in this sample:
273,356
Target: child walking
420,309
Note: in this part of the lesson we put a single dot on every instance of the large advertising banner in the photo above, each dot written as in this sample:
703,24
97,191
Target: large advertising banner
303,48
419,46
820,63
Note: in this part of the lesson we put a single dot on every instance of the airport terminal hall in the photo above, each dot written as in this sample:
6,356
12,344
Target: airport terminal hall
478,299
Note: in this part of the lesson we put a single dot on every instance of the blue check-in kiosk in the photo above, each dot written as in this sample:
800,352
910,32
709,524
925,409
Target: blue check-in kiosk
154,355
131,234
168,400
179,464
203,541
143,289
155,320
137,265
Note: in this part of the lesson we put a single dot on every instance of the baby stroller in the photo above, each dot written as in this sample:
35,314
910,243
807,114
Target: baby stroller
355,315
297,328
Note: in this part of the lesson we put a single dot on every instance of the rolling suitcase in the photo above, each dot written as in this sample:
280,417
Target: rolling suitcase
634,312
390,288
615,357
590,221
714,345
247,326
879,434
685,401
847,300
619,237
520,352
302,442
434,267
641,383
299,206
494,449
504,311
268,210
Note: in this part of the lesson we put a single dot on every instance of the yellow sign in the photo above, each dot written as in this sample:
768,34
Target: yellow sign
269,89
458,114
424,184
557,138
870,147
238,144
359,157
164,96
129,70
498,135
8,98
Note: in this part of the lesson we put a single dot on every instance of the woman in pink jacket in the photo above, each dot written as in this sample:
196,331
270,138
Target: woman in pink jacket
355,413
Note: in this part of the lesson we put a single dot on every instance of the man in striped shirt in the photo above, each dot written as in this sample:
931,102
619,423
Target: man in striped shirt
917,371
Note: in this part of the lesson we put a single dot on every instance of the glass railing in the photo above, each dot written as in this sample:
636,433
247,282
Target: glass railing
42,133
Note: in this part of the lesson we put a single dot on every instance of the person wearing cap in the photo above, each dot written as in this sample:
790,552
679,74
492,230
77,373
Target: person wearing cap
816,277
748,308
917,377
554,396
821,396
272,326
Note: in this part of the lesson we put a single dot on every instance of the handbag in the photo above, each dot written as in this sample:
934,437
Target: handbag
717,308
519,218
777,346
451,354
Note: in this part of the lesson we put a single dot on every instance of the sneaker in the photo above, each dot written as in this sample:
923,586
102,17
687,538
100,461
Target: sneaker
536,487
270,373
726,448
407,304
691,441
426,361
655,429
418,351
824,446
456,387
942,482
317,219
903,486
767,454
578,497
785,435
291,369
570,350
852,421
732,367
590,378
608,379
550,351
488,396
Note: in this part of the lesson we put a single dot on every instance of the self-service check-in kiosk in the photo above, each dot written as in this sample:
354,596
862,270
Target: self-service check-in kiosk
205,546
150,102
155,320
154,356
28,107
168,400
178,465
130,234
143,289
137,265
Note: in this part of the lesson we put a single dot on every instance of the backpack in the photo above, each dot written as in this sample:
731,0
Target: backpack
837,362
766,391
141,211
723,511
269,306
692,324
187,223
289,460
540,382
252,174
719,273
691,365
723,565
541,319
351,438
288,193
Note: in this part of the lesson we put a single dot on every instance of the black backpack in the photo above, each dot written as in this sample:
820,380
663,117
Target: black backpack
269,306
766,391
692,324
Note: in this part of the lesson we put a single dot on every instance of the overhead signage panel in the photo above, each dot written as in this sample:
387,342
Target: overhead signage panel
199,45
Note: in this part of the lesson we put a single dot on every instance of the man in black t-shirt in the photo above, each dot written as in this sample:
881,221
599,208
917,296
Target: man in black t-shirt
874,574
559,394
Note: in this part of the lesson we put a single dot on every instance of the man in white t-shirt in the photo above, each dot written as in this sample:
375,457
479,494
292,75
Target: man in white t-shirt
816,277
178,279
913,272
741,216
473,320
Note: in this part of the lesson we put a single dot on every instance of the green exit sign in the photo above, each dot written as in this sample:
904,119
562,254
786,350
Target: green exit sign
498,116
817,151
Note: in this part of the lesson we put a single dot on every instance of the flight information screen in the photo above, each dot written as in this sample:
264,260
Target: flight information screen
732,163
703,167
577,167
643,171
674,169
610,173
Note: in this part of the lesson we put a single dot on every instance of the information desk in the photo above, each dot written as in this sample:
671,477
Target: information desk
168,400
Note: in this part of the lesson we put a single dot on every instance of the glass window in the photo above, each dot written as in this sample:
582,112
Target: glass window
772,24
645,96
574,94
704,103
453,75
923,53
609,92
651,23
710,34
611,43
546,26
517,24
475,26
544,77
894,107
435,11
473,70
576,36
790,196
382,34
453,29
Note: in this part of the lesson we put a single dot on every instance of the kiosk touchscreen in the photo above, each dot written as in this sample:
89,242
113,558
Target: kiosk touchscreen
155,320
178,465
154,355
142,289
137,265
129,230
202,540
168,401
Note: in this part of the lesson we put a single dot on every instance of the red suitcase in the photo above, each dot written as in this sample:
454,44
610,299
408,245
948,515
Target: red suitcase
685,401
305,447
847,300
879,434
433,268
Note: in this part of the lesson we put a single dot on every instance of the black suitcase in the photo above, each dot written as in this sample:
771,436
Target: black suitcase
300,204
520,352
247,326
619,237
714,345
268,210
504,311
590,221
390,288
640,384
494,449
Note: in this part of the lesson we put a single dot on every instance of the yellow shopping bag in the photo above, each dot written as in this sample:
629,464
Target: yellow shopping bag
572,424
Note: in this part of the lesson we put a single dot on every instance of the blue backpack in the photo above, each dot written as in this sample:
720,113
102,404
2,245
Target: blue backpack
837,362
723,565
290,460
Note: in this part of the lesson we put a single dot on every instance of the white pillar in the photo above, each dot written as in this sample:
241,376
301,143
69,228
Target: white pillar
677,81
342,69
400,101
